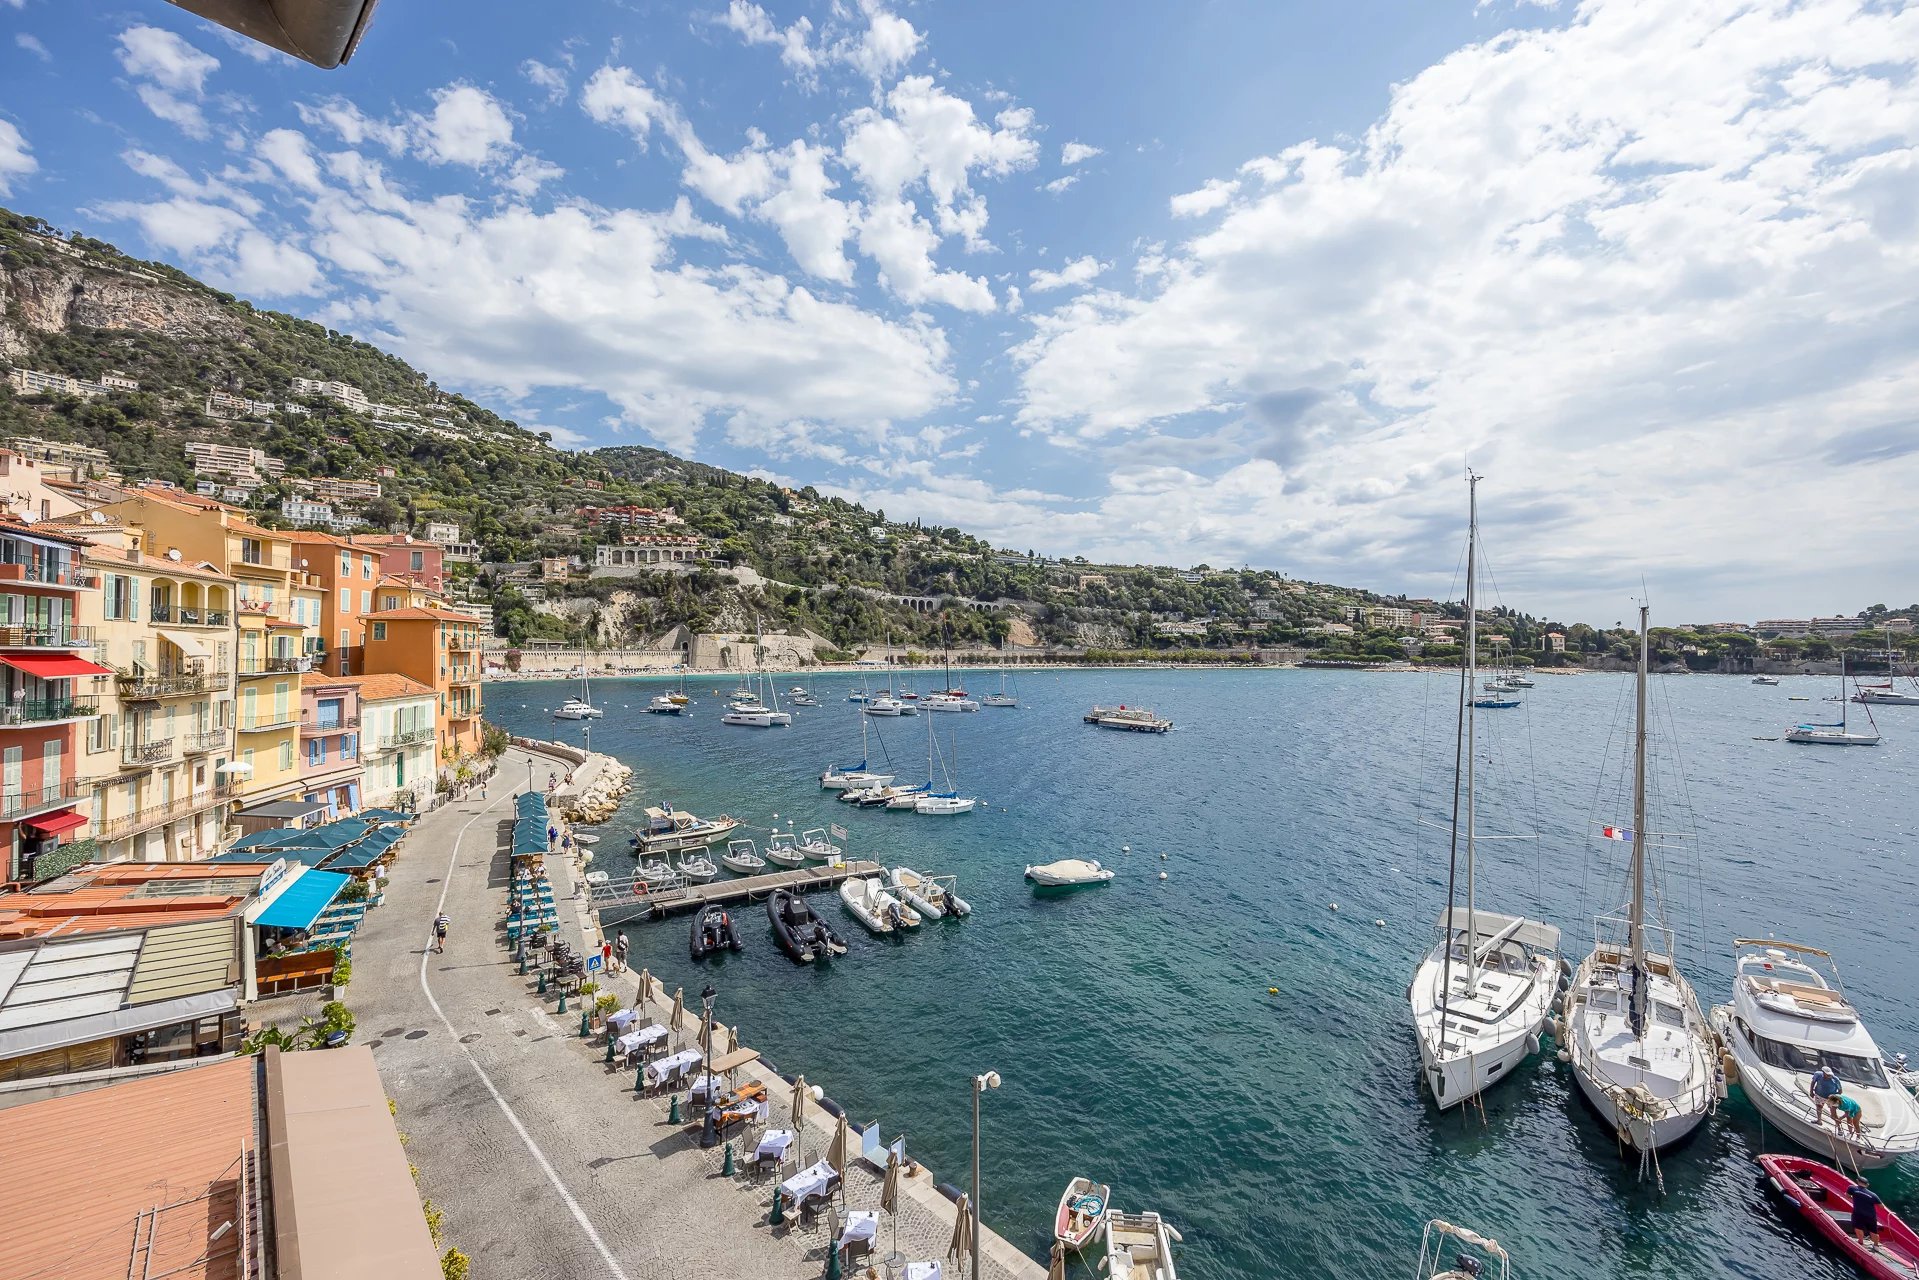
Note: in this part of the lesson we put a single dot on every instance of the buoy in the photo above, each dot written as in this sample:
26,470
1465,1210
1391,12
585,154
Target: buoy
1380,923
1332,906
1162,857
1126,848
1162,875
1272,991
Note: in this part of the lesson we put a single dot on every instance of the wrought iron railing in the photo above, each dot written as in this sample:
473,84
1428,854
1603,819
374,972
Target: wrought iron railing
43,710
337,724
67,637
153,815
158,751
211,740
26,799
261,720
172,685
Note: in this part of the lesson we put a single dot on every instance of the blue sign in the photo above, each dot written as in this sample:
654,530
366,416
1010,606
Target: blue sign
593,964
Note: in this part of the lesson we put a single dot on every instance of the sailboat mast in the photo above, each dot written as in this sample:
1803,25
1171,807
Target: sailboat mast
1637,911
1472,683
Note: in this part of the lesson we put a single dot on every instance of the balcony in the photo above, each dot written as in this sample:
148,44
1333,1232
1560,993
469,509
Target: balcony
284,665
144,755
183,616
31,800
46,637
171,685
407,738
262,721
32,711
194,744
336,724
128,824
40,575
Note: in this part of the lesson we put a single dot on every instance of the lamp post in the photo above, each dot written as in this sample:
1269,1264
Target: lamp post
708,1130
983,1081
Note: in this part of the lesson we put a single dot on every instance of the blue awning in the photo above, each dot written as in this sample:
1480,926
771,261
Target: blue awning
386,815
529,837
360,855
301,902
530,804
347,829
277,838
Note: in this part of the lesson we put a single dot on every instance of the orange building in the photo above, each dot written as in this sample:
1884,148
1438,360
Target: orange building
440,649
348,575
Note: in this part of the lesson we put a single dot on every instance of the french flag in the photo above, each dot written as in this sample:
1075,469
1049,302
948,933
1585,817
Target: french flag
1616,833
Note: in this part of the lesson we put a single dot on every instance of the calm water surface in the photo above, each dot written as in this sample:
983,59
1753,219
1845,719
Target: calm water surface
1283,1134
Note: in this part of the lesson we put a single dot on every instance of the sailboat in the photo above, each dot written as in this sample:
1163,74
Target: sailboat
1482,995
1886,695
952,697
853,777
1000,699
580,706
748,710
1641,1049
679,695
1827,734
940,803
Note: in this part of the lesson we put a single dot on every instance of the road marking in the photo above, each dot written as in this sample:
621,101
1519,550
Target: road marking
552,1175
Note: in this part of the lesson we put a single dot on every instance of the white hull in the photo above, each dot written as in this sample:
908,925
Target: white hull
875,907
1508,1019
785,857
998,700
757,719
699,869
741,865
1881,698
951,704
1069,873
1641,1134
1653,1090
830,781
1831,738
593,713
944,806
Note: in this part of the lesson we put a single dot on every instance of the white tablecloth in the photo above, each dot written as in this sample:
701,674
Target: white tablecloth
652,1034
619,1022
809,1181
923,1271
861,1224
774,1142
672,1065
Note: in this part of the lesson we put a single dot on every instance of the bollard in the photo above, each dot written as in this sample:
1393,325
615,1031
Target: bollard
833,1263
609,1048
777,1217
673,1111
639,1078
562,1008
541,989
583,1017
727,1168
523,964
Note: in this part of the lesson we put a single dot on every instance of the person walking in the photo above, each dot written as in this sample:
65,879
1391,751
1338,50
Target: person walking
606,954
619,953
440,923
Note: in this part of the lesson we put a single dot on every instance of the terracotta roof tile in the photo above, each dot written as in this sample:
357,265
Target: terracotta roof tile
376,687
101,1158
418,613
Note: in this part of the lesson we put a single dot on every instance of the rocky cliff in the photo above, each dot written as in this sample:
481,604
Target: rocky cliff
68,293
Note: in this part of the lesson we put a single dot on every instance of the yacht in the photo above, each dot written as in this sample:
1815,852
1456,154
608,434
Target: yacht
1641,1049
782,849
743,857
668,829
755,714
579,706
885,705
944,803
1481,996
1885,696
663,705
1000,699
853,778
798,696
948,702
908,797
1765,679
1789,1016
875,907
1841,734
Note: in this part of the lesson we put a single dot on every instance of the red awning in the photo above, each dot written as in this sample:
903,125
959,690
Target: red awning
56,823
54,666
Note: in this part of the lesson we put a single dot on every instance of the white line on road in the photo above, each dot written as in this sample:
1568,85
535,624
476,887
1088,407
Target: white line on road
552,1175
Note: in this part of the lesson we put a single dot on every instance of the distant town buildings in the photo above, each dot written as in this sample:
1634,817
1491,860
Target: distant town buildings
447,536
232,466
630,517
78,461
340,392
1386,617
1802,628
340,493
35,382
221,404
649,552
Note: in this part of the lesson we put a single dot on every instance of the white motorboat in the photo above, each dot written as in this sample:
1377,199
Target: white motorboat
797,696
944,804
743,857
1139,1246
885,705
948,702
1069,873
1081,1215
668,829
1640,1047
655,870
755,715
1765,679
874,906
1789,1017
816,847
1828,734
1481,996
1881,696
697,865
577,709
663,705
1132,719
934,896
1447,1252
784,850
1518,681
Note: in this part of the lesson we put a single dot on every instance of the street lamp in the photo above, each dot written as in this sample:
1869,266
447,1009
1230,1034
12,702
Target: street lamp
708,1129
985,1080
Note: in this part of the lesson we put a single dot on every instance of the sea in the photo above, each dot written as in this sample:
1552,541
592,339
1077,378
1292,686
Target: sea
1222,1032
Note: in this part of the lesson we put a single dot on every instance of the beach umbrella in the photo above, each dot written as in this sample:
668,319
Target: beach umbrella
962,1242
1058,1270
797,1104
836,1154
890,1194
678,1015
646,986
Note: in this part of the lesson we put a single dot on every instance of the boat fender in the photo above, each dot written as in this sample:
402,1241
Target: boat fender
1729,1068
1162,875
1532,1044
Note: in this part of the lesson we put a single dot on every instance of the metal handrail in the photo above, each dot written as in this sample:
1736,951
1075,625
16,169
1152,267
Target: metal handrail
340,725
211,740
153,815
71,637
269,720
172,685
40,710
14,803
155,752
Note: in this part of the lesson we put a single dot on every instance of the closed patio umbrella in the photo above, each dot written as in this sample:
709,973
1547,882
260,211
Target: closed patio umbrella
798,1106
890,1195
836,1154
678,1016
962,1243
1058,1270
646,986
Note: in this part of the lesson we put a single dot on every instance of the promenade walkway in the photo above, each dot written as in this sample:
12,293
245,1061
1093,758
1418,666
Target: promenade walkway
545,1161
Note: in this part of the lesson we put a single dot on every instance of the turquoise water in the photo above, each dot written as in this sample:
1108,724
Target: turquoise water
1284,1135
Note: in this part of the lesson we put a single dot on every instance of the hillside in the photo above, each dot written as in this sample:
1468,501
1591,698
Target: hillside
78,306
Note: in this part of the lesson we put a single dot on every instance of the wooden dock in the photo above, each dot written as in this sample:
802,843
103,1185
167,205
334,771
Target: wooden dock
621,901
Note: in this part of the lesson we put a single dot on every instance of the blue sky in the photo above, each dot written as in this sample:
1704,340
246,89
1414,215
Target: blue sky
1230,282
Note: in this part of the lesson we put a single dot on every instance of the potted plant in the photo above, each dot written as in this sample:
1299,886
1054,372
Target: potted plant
587,988
604,1005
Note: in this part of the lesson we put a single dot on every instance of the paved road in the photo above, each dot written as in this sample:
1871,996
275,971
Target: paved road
544,1160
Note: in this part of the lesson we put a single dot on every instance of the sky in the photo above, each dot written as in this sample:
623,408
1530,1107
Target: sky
1223,281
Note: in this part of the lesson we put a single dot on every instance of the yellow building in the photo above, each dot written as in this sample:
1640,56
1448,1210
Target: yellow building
277,619
153,760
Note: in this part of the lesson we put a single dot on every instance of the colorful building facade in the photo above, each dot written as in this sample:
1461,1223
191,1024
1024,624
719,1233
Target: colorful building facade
440,649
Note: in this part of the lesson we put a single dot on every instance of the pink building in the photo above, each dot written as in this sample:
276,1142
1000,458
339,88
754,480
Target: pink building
405,556
330,743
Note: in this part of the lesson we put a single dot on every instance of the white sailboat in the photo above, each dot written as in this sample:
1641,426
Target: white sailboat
580,706
1827,734
1640,1046
1482,995
1000,699
948,803
853,777
1887,694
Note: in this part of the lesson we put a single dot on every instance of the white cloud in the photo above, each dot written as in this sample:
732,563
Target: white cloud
286,150
170,75
33,46
1075,273
551,79
1059,186
353,126
615,96
1661,253
877,48
1075,152
528,174
468,126
814,224
16,157
888,43
181,183
755,27
1215,195
901,243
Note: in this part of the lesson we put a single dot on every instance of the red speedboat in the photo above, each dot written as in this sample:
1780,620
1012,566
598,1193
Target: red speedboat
1823,1195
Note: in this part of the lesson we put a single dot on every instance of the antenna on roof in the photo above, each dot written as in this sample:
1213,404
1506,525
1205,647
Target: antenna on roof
173,554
